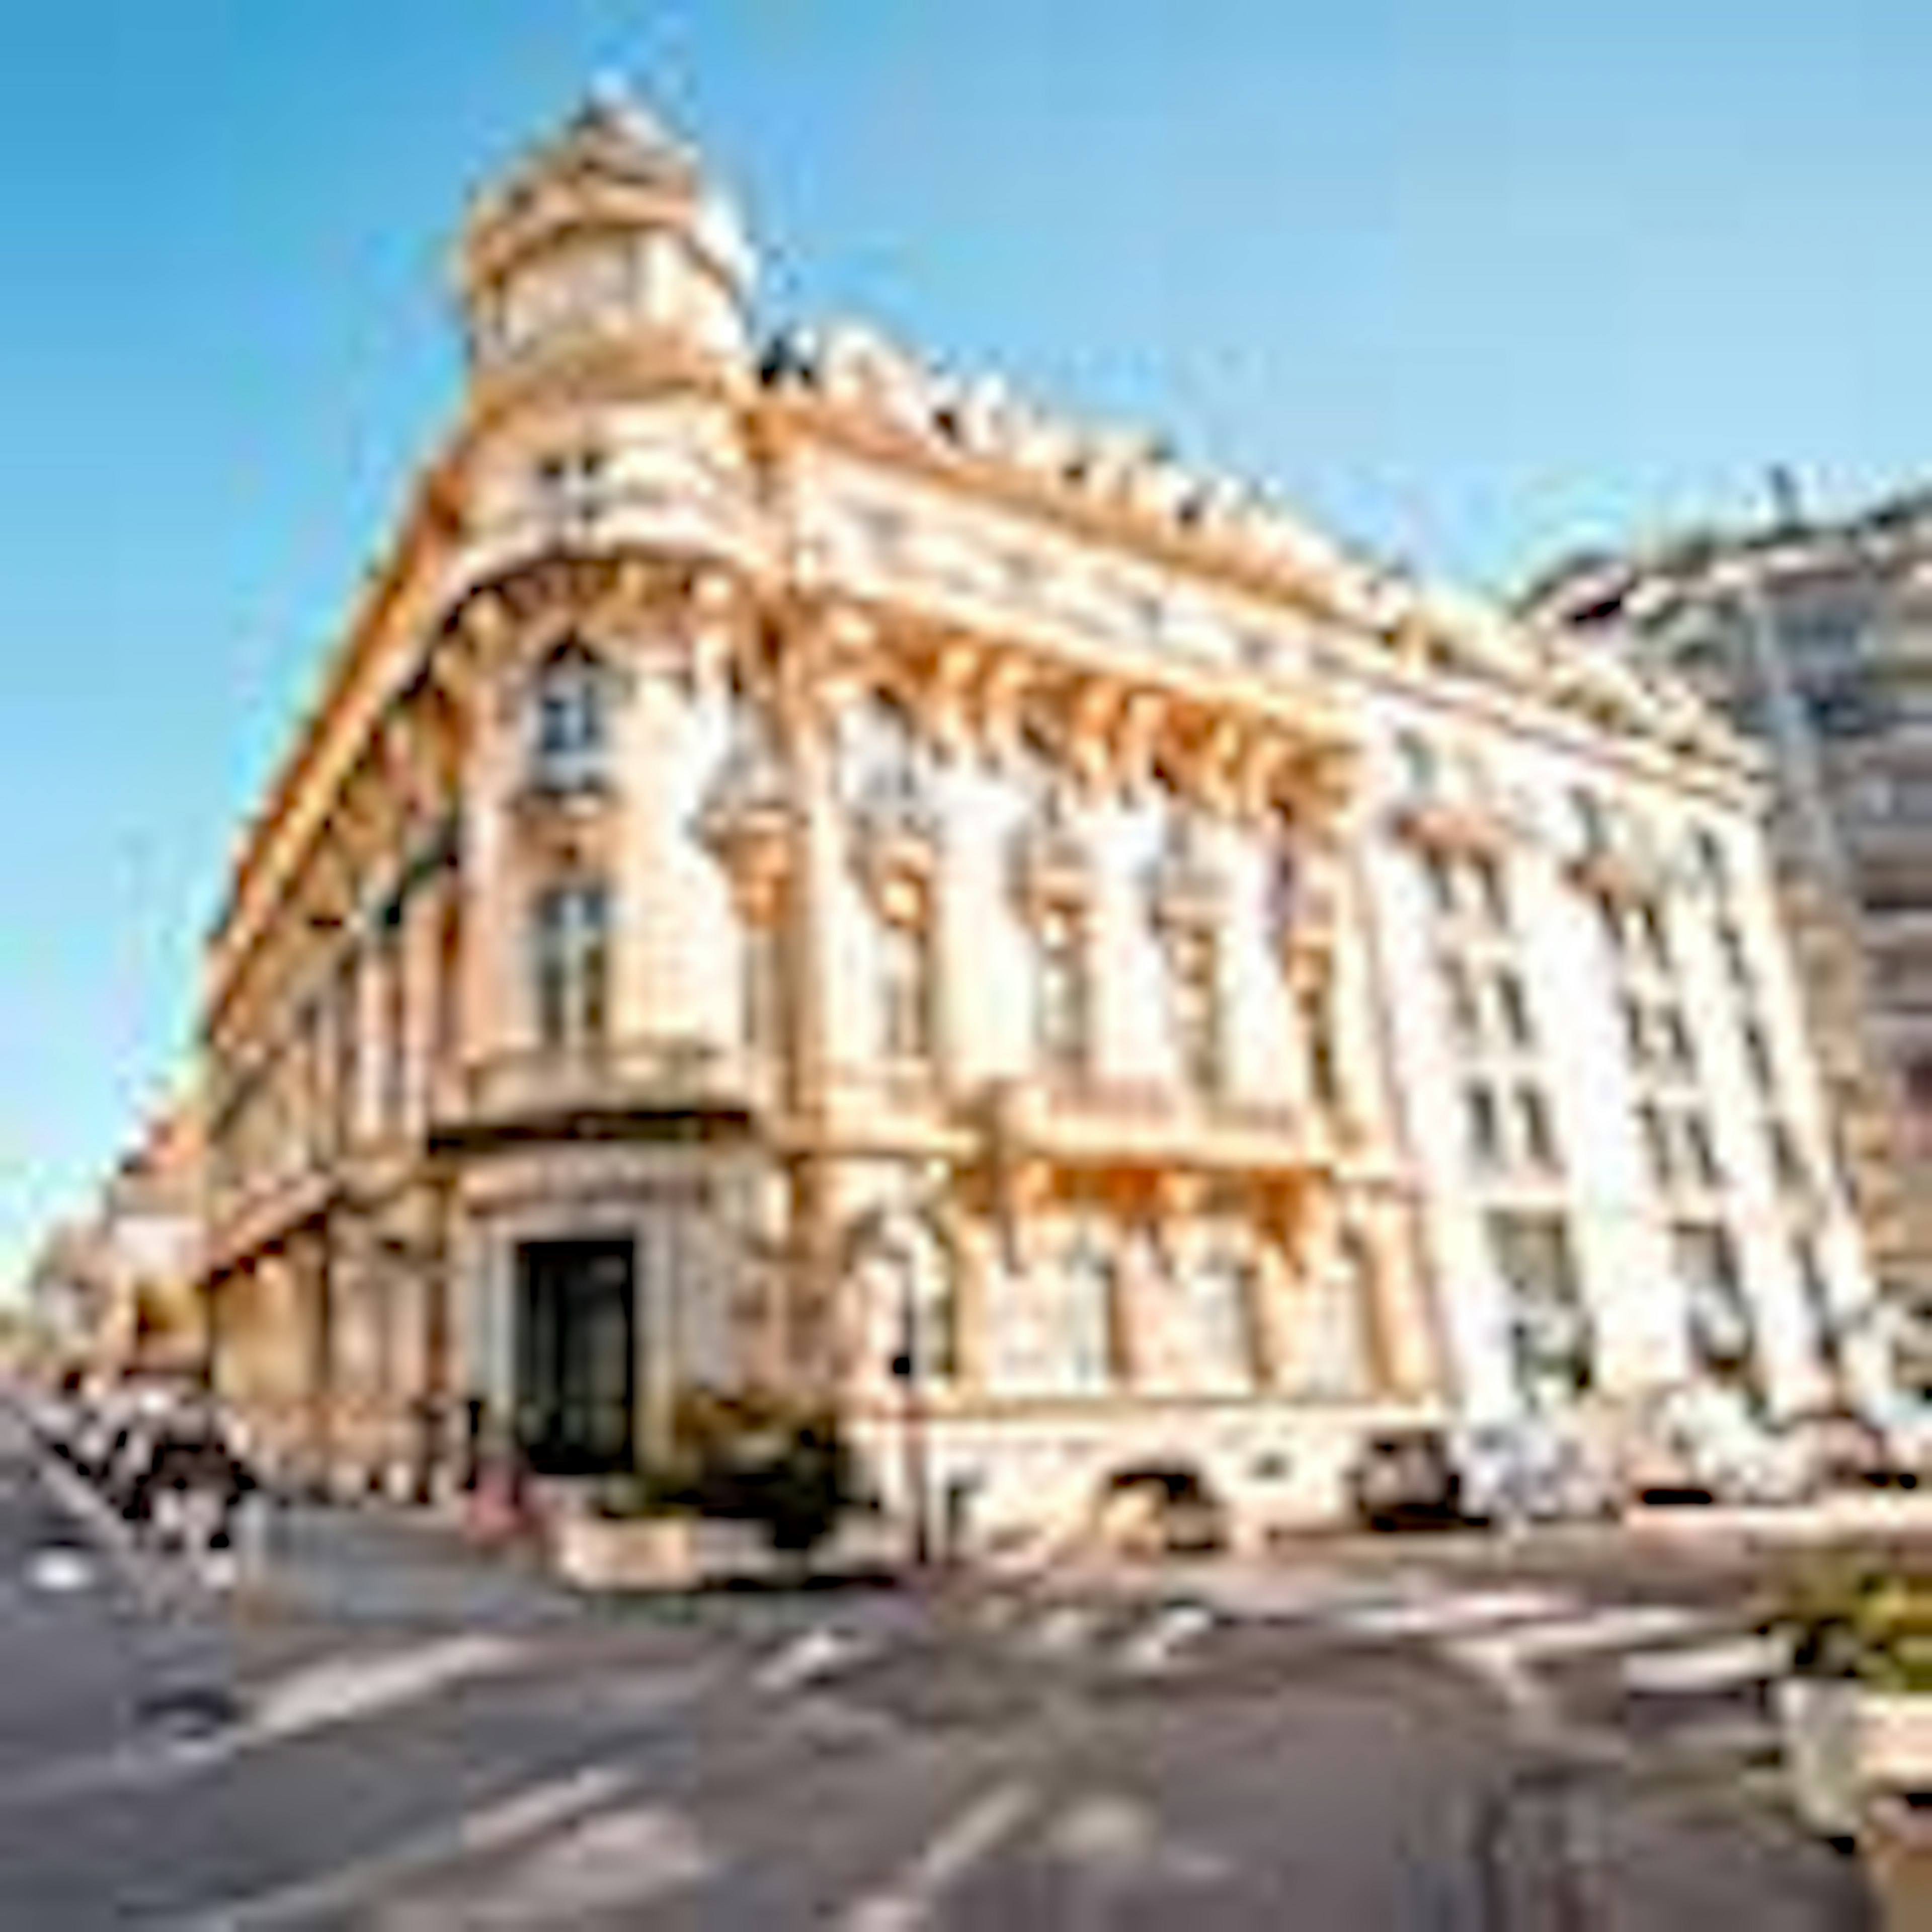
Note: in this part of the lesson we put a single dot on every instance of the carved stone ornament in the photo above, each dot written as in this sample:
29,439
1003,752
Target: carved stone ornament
746,824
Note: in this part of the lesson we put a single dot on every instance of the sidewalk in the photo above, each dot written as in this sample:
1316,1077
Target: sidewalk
379,1564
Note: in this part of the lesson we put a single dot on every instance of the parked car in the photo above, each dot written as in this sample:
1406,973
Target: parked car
1532,1469
1408,1479
1161,1510
1700,1443
1845,1450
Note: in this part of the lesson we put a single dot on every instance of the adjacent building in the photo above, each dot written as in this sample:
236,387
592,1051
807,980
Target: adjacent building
1815,636
115,1289
809,870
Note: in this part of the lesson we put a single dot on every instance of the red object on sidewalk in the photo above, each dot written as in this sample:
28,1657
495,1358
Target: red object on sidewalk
494,1512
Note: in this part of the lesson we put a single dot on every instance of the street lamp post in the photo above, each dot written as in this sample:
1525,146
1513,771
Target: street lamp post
906,1367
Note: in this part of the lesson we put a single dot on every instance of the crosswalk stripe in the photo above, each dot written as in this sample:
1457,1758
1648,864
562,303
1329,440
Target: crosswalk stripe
339,1690
814,1654
1606,1627
522,1816
1062,1630
1154,1645
1723,1665
912,1900
1452,1612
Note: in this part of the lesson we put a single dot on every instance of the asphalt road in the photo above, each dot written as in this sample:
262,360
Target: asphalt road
871,1763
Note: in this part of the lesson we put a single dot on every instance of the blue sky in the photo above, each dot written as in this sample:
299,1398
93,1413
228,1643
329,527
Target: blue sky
1475,281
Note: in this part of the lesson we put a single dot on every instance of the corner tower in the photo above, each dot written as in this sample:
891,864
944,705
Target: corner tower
608,234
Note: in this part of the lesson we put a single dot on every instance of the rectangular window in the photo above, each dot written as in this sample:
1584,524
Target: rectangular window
1539,1141
390,958
1459,993
1658,1149
1492,892
345,1030
1552,1346
1194,997
761,989
1482,1123
1675,1033
1737,961
1723,1342
1441,877
1317,1028
1064,1013
447,1035
572,964
906,989
1656,938
1787,1163
1757,1056
1636,1032
1512,1009
1419,765
1610,917
1701,1155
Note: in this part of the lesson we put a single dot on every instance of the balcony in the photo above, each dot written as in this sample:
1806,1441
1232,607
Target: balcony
1468,819
1621,862
635,1079
1116,1124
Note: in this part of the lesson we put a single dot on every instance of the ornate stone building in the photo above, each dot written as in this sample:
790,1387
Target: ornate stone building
810,870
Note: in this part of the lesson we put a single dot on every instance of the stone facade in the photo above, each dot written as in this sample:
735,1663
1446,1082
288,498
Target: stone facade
809,872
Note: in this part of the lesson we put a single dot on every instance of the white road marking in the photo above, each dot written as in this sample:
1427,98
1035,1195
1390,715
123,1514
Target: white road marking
59,1572
1720,1666
619,1859
1511,1679
1609,1627
814,1654
1117,1841
511,1821
912,1900
1449,1612
340,1689
1155,1645
1063,1629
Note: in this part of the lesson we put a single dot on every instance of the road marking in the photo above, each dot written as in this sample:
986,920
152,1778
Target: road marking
815,1654
1449,1612
1609,1627
1117,1841
1720,1666
1155,1645
510,1821
967,1839
617,1859
340,1689
59,1573
1062,1630
333,1692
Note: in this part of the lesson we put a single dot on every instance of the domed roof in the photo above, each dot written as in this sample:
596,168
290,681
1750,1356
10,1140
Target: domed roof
613,135
611,161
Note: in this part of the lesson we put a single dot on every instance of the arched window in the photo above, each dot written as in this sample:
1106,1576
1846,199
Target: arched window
571,963
571,744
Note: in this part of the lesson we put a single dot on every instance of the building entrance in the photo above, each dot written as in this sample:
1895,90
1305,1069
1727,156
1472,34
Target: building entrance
576,1312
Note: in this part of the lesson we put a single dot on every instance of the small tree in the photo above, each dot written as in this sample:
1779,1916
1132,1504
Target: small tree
758,1456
